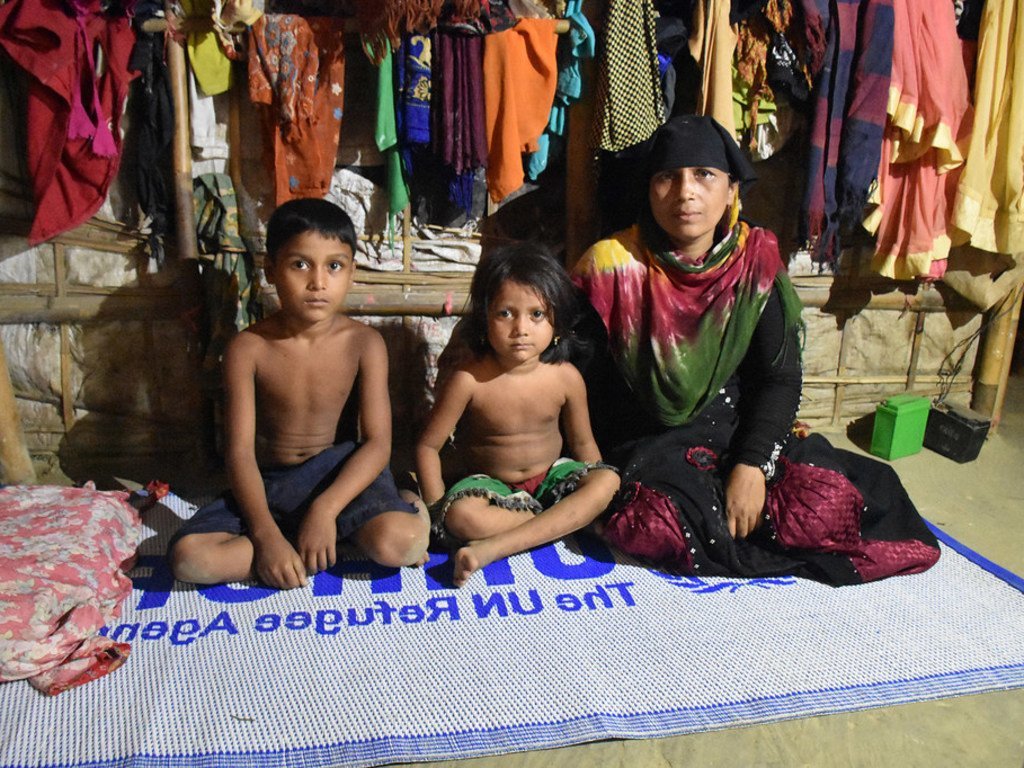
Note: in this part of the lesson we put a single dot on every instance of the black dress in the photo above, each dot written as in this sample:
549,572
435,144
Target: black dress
832,515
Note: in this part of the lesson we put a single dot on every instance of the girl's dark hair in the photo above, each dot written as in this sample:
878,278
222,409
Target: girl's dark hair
308,214
532,265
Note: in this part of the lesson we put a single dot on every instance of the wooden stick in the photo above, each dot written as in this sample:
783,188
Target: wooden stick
915,350
184,218
15,462
894,378
839,392
990,356
67,396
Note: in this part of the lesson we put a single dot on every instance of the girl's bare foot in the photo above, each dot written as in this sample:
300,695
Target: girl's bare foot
470,559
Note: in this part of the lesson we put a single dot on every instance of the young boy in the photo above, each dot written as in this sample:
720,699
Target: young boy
294,492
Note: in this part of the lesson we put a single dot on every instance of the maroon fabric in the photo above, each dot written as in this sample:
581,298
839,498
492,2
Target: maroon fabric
880,559
70,175
647,526
817,509
530,484
459,132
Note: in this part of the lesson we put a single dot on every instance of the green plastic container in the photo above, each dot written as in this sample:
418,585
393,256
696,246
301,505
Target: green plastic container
900,422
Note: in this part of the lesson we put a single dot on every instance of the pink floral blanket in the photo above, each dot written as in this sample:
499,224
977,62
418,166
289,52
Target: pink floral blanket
61,580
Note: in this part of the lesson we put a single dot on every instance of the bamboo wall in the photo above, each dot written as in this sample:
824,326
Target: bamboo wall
103,348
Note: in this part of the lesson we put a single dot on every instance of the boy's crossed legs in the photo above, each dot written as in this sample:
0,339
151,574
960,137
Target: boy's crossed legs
389,527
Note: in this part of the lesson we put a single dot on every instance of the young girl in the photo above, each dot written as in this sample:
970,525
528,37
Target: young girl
511,401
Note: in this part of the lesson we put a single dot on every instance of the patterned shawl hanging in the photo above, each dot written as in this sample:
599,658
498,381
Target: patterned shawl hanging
849,120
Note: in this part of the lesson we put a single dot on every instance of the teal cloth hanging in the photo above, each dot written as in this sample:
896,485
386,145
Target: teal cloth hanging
576,45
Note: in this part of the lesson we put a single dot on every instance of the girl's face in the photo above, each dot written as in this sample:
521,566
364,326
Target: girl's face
689,203
519,324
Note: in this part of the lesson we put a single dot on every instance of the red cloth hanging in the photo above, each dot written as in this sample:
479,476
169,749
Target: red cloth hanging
78,81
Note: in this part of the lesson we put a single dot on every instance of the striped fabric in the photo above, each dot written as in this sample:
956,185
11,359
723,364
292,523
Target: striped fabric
849,120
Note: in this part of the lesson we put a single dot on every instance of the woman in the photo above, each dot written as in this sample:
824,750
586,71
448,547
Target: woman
699,391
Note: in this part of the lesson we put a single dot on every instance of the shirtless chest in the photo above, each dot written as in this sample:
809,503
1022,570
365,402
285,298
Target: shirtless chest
501,408
301,390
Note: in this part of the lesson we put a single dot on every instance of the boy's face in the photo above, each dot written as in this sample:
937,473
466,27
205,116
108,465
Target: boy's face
312,275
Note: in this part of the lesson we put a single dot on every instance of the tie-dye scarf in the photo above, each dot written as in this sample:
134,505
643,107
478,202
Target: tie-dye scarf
679,331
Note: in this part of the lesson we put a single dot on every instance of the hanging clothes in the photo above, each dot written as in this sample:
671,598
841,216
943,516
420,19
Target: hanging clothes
576,45
712,44
989,207
73,110
386,135
210,65
765,57
226,269
297,74
152,110
458,130
412,115
630,105
520,75
849,120
929,111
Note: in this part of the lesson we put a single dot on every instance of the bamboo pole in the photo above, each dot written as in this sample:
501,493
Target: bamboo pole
997,356
15,462
915,350
894,378
67,397
91,308
184,218
581,217
839,379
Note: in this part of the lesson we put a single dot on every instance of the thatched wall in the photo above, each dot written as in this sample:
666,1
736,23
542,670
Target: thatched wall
105,346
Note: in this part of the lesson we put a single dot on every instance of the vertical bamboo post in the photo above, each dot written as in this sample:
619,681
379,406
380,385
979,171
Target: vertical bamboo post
184,219
235,133
15,463
915,350
839,393
996,353
581,218
67,397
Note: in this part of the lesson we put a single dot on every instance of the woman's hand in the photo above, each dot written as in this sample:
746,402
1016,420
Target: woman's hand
744,500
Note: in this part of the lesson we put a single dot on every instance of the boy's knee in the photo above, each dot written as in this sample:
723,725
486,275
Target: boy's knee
399,544
191,562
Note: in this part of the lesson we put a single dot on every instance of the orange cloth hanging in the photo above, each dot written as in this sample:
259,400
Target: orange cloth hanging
520,75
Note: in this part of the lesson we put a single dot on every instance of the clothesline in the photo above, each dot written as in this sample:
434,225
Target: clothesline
189,24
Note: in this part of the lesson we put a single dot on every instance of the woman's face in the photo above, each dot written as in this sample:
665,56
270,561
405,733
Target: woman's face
689,203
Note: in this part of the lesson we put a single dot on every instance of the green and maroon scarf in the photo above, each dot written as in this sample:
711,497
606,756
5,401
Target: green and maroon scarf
679,331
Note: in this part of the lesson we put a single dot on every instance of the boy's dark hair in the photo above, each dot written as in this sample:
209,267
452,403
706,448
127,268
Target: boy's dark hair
533,265
308,214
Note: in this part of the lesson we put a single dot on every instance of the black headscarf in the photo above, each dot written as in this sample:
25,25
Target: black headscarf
696,141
